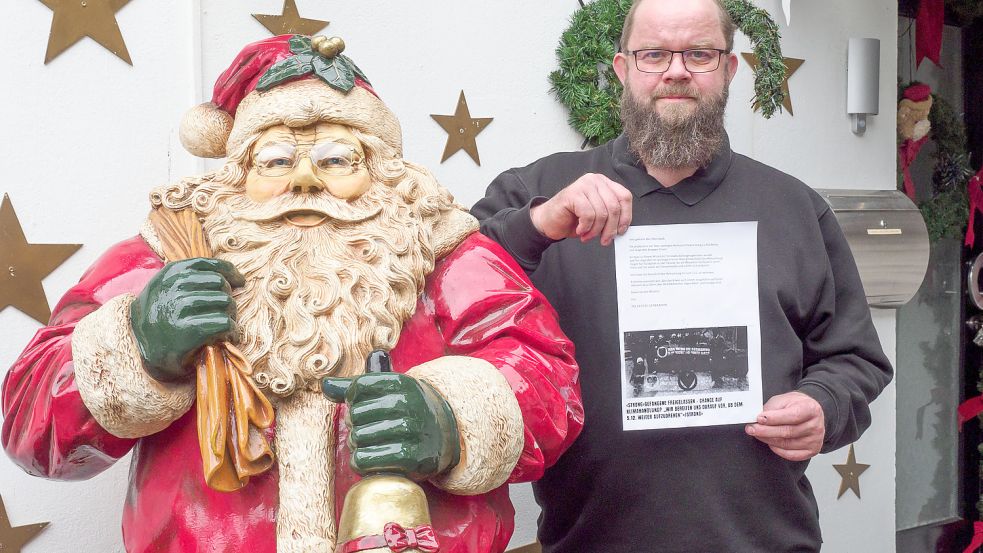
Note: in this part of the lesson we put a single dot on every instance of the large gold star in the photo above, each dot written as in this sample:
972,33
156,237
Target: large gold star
462,129
23,266
791,65
290,22
12,539
850,474
74,19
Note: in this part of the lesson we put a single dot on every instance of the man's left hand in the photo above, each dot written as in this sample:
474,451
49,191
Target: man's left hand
793,426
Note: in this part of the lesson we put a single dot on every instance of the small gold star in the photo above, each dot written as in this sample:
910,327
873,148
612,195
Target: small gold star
73,20
850,474
462,129
23,266
12,539
290,22
791,65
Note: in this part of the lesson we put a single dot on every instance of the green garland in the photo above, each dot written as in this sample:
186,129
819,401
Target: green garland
586,83
966,10
947,211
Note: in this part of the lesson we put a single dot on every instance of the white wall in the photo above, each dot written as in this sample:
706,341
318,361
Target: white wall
97,134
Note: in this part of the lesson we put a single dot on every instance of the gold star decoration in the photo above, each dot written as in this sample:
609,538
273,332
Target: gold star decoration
23,266
290,22
850,474
73,20
12,539
462,129
791,64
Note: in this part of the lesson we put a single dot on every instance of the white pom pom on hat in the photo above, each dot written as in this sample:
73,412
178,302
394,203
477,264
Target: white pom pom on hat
205,129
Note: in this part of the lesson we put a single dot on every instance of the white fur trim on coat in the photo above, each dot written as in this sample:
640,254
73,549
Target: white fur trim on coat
109,373
488,420
305,445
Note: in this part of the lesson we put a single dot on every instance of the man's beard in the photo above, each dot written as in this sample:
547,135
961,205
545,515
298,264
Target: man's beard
678,137
318,300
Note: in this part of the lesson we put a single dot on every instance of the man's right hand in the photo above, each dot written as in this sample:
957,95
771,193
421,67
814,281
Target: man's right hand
592,206
186,305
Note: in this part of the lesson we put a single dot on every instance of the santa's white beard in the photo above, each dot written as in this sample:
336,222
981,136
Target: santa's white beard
318,300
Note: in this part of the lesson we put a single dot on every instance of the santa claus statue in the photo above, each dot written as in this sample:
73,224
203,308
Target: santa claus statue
325,246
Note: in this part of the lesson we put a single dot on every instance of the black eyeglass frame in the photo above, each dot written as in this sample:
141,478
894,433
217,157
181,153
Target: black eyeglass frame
672,54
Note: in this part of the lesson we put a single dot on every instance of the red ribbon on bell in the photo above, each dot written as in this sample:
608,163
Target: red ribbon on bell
400,539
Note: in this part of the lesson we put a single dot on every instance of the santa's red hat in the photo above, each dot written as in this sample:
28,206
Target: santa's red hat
289,79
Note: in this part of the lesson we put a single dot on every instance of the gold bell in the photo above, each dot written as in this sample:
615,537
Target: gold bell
377,501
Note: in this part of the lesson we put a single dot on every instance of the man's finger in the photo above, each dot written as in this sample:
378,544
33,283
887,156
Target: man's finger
782,431
335,388
793,454
600,215
793,414
790,443
585,213
613,209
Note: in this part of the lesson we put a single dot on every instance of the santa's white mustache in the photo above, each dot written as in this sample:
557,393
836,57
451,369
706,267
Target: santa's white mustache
321,204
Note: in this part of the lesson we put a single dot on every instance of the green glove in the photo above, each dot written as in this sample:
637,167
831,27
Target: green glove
186,305
396,423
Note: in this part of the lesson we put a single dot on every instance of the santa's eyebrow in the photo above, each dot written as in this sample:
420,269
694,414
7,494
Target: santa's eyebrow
274,142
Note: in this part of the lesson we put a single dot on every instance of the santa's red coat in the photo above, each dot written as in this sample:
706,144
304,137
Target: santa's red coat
477,303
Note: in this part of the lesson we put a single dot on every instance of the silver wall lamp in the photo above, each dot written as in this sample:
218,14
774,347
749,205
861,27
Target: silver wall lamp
863,74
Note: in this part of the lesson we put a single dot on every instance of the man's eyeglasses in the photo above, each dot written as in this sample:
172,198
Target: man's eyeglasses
329,158
696,60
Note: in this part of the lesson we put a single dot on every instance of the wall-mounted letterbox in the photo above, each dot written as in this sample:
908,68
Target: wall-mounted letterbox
889,240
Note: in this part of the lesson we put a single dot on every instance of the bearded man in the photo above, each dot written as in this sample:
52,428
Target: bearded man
326,247
713,488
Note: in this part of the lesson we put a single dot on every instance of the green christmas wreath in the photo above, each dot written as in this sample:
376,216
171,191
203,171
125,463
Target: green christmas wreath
586,83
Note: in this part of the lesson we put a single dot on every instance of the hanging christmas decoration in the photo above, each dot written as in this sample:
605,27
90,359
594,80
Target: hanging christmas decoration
913,128
14,538
928,37
23,266
73,20
946,210
290,22
462,130
791,65
850,474
787,10
585,81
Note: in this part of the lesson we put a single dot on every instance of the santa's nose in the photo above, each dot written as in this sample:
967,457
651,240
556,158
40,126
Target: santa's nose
304,180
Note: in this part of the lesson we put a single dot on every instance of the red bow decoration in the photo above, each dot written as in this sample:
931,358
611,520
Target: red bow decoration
977,538
400,539
928,31
969,409
975,190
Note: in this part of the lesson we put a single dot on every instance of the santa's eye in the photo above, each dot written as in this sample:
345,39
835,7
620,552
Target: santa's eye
334,157
275,159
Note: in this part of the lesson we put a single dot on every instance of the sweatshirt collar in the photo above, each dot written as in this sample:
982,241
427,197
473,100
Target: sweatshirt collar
690,190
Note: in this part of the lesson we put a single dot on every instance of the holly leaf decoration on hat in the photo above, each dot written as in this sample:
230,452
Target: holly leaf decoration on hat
337,70
286,70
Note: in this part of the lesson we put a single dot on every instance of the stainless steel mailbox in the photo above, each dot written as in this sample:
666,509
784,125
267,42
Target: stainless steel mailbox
889,240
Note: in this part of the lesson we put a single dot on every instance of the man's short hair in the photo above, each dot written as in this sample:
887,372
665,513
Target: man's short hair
726,25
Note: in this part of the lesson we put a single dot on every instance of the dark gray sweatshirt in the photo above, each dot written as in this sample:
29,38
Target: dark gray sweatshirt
704,489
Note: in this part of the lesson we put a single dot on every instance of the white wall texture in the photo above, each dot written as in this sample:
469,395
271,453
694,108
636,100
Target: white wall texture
87,136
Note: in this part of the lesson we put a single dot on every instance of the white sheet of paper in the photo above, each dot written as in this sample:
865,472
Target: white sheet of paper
689,325
787,9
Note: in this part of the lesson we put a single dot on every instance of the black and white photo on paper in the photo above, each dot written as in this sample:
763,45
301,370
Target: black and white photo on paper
685,361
